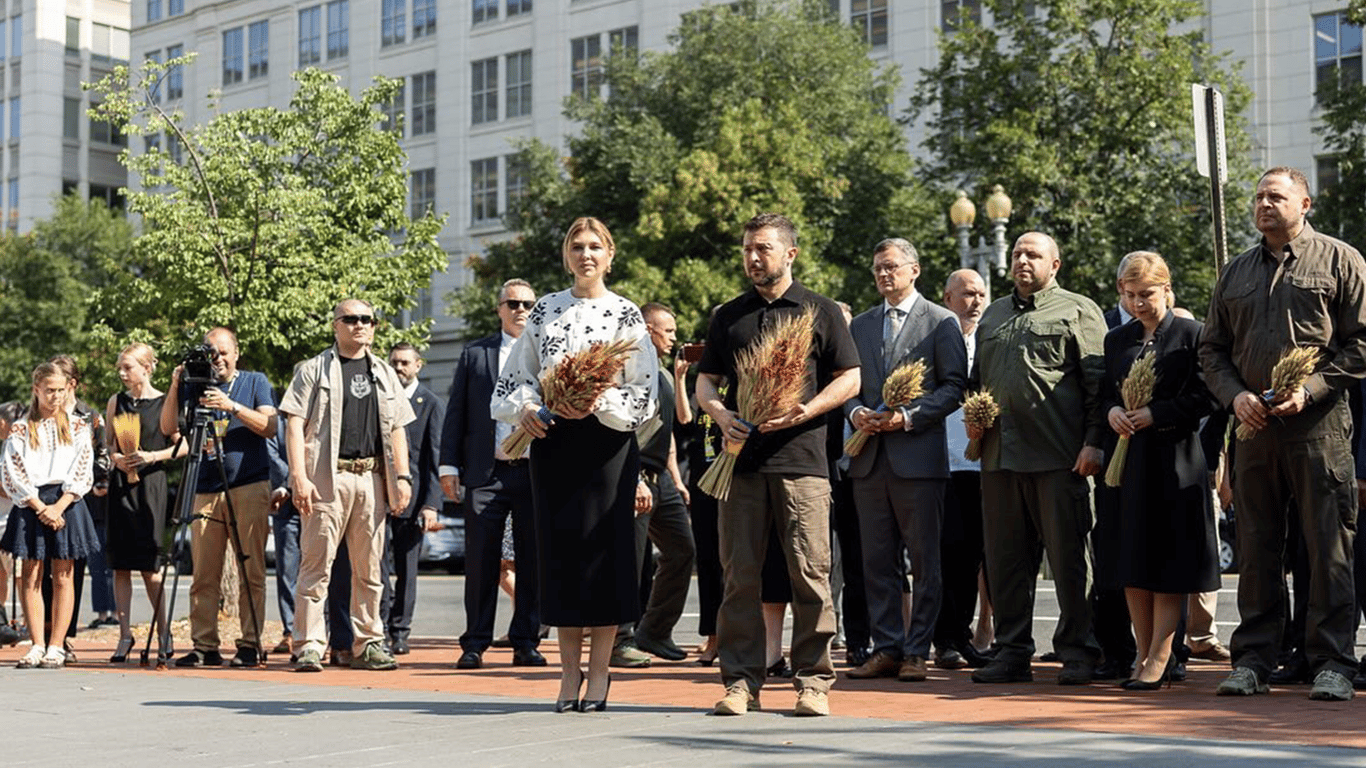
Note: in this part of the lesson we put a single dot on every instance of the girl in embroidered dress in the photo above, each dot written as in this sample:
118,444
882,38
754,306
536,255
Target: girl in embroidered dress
45,469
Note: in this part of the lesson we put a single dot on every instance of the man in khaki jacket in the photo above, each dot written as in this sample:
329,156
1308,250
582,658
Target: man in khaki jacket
348,467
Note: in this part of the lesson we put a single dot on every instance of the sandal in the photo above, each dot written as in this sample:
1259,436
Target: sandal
32,659
55,658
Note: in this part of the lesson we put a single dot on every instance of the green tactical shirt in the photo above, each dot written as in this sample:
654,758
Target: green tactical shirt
1042,357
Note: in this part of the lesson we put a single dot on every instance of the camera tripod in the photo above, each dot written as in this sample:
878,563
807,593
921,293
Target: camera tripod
200,423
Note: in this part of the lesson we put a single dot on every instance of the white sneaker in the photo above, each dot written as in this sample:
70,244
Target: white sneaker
31,659
55,658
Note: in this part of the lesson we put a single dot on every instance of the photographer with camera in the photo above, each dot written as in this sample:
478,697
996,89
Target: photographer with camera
242,405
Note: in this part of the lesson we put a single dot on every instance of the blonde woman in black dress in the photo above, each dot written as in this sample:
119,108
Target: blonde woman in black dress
136,517
584,466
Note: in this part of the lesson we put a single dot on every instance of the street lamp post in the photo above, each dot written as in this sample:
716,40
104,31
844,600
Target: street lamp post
985,257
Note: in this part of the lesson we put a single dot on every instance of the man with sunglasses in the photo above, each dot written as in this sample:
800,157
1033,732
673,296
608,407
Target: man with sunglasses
348,470
496,488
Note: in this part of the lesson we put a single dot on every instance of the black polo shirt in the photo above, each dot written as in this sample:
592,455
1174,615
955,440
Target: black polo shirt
738,323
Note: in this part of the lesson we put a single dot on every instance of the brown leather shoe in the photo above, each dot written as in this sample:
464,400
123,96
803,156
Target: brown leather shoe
880,664
913,670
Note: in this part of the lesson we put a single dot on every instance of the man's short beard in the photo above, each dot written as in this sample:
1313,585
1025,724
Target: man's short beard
770,278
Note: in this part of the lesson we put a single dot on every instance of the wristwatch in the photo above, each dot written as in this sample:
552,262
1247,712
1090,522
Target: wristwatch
408,478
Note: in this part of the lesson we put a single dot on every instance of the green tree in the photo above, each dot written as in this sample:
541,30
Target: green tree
262,219
1081,109
760,105
1338,206
48,278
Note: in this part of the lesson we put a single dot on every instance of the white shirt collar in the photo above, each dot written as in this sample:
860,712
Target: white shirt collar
507,340
905,305
1124,316
410,388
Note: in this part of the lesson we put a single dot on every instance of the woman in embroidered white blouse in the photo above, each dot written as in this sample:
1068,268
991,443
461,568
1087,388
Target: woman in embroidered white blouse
584,465
45,470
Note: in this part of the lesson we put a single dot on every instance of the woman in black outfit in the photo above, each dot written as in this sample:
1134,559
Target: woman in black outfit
136,517
1168,542
584,465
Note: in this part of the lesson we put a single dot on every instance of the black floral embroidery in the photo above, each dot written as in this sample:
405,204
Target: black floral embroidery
537,316
630,319
503,388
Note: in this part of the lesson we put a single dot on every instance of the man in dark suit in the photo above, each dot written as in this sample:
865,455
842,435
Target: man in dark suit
406,529
900,475
495,487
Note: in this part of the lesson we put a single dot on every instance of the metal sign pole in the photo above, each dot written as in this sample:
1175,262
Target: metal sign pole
1211,160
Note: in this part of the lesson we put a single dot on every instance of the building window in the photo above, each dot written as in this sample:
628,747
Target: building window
484,91
423,112
424,18
518,7
100,42
174,148
16,36
952,9
232,56
14,205
422,197
624,39
175,78
73,36
393,113
869,17
105,132
484,10
518,74
153,10
338,29
516,180
310,35
1337,50
1326,173
258,49
154,86
585,66
392,22
175,7
2,39
484,191
71,118
14,118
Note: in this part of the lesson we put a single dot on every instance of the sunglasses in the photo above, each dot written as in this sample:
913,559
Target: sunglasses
515,304
354,319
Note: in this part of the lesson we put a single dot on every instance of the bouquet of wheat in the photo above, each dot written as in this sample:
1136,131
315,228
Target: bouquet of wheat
979,410
1287,376
128,438
770,381
1137,391
574,384
905,384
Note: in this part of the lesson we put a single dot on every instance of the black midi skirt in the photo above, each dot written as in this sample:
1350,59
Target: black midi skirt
583,484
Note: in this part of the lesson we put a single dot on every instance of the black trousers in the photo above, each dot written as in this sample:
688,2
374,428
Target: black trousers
403,544
671,533
487,508
853,594
703,510
960,547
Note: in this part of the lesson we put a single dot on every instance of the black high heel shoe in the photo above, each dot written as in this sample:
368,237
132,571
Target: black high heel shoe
597,705
571,705
1134,684
121,652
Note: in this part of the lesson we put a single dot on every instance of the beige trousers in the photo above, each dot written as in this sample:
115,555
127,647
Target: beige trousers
357,515
209,538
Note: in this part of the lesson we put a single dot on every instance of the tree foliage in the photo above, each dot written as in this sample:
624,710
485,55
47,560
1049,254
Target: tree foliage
1082,111
48,278
1338,208
763,105
262,219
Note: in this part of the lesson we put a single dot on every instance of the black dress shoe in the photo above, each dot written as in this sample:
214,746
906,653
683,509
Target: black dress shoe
857,656
470,660
1294,670
780,668
1112,670
975,658
949,658
198,658
999,671
246,656
398,646
1050,656
527,657
664,649
1178,673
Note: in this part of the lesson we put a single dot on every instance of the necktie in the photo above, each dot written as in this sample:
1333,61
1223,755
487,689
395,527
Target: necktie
895,317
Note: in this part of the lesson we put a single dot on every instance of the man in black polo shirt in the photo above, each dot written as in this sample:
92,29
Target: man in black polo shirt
780,477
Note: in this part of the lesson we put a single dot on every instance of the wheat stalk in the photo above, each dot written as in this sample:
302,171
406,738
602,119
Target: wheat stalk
979,410
128,437
770,381
1137,392
1287,376
903,385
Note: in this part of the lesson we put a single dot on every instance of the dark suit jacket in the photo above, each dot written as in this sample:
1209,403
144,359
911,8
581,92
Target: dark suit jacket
930,333
423,450
467,435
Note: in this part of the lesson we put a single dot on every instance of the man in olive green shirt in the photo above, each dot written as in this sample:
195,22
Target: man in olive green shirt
1295,288
1040,352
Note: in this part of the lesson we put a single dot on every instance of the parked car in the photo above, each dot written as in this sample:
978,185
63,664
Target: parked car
1228,541
445,547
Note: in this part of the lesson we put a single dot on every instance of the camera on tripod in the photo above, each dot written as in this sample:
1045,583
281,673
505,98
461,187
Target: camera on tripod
197,365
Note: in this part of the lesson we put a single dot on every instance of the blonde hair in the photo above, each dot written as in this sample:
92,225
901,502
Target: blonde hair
43,372
1146,267
589,224
143,354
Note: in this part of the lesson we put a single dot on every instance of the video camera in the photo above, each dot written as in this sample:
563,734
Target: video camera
197,365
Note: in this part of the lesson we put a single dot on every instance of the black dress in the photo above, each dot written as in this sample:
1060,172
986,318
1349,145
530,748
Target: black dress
1167,537
136,516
